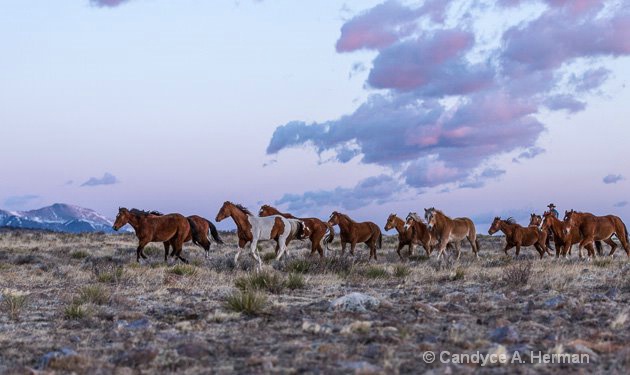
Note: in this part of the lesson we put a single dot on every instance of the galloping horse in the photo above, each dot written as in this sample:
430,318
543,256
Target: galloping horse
594,228
536,221
317,228
171,228
516,235
352,232
563,240
448,230
405,235
421,234
251,229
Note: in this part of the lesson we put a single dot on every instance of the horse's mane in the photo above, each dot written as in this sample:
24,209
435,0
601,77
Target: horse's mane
139,212
242,208
510,220
415,217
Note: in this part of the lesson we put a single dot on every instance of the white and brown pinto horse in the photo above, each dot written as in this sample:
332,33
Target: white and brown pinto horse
251,229
352,232
446,230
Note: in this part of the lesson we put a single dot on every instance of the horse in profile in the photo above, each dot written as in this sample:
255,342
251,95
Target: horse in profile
446,230
597,228
352,232
516,235
171,228
251,229
317,228
405,235
564,240
200,229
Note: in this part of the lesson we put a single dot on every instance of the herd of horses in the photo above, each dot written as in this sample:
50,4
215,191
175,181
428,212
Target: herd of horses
437,232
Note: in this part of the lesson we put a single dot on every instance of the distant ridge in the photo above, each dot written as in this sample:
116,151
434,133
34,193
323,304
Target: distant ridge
59,217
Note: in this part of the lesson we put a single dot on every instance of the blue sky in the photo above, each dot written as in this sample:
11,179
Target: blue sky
369,107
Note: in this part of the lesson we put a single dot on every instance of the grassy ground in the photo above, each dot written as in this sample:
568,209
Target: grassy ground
80,303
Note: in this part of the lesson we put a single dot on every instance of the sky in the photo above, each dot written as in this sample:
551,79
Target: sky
477,107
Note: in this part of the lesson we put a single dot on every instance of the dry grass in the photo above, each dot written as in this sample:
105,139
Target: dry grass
88,294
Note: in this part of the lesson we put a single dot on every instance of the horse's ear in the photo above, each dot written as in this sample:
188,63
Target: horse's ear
426,210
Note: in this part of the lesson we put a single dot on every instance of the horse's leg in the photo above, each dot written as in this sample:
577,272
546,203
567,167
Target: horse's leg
518,249
141,244
283,247
372,245
353,244
540,250
343,247
400,246
166,246
253,247
458,248
613,246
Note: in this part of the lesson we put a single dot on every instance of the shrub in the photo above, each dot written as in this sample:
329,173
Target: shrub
457,274
79,254
268,257
93,294
517,274
247,302
299,265
110,275
295,281
13,303
183,270
264,280
375,272
401,271
603,261
75,311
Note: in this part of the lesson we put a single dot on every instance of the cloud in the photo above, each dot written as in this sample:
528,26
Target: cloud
621,204
107,179
530,153
107,3
613,178
450,99
590,80
378,189
20,201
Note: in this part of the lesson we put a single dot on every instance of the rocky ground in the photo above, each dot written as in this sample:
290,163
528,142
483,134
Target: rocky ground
80,303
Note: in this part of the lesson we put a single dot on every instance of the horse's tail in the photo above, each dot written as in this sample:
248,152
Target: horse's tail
328,239
598,246
380,239
194,231
214,232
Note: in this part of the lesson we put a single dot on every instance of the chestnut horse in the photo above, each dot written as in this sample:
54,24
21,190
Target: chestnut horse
595,228
317,228
199,230
352,232
564,241
516,235
251,229
536,221
446,230
421,234
172,228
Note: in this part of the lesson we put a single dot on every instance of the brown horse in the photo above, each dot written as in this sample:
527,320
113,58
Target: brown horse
352,232
516,235
446,230
199,229
172,228
405,235
536,221
251,229
597,228
316,227
563,241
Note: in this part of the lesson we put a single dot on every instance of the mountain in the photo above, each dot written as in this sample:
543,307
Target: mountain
59,218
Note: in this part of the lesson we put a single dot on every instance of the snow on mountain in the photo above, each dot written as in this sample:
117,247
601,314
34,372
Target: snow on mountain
58,217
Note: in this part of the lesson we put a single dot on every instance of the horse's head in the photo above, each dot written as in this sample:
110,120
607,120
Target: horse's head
495,227
334,218
266,210
570,219
122,218
430,217
391,222
412,217
224,212
304,231
535,220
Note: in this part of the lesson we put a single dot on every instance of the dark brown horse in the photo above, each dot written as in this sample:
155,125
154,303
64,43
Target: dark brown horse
516,235
172,228
597,228
562,240
316,227
352,232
